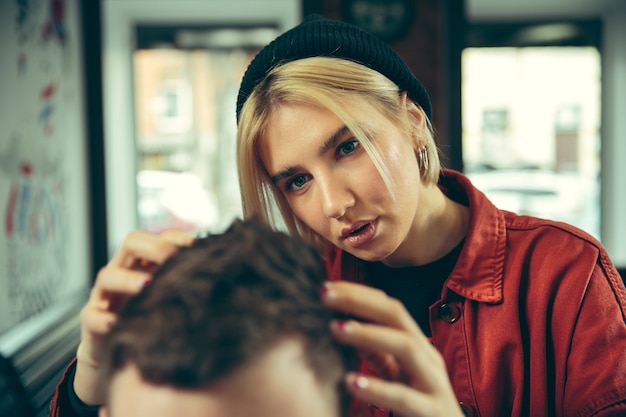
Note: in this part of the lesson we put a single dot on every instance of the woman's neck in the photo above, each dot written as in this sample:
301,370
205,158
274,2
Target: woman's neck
440,225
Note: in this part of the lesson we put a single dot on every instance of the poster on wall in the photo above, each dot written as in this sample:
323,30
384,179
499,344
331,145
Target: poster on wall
44,241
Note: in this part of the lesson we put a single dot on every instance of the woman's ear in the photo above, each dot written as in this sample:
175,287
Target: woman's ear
416,112
403,99
416,119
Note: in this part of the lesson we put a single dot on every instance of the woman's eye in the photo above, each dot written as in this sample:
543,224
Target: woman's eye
348,147
296,183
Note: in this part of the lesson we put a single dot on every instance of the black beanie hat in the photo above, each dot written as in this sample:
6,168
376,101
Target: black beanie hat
318,36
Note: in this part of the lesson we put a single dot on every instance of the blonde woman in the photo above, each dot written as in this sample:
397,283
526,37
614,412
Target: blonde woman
459,308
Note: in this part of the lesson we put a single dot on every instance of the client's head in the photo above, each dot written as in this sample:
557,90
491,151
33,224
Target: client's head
232,326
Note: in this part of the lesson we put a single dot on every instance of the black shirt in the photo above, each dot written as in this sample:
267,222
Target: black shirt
418,287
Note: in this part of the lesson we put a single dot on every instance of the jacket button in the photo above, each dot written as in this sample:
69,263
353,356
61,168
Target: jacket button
467,409
449,312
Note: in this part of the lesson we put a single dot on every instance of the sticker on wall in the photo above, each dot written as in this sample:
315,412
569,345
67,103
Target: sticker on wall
54,26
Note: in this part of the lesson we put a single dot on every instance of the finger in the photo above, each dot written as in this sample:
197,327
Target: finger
145,246
142,265
370,304
415,357
177,237
385,364
111,280
97,322
401,399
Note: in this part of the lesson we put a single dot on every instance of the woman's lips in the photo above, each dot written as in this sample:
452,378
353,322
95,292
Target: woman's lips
360,234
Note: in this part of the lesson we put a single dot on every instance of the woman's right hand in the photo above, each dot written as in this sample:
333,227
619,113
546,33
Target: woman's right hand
124,276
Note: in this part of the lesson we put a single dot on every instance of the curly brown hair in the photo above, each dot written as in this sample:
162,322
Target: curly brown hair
217,305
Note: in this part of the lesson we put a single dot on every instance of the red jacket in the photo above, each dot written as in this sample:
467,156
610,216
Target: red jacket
532,319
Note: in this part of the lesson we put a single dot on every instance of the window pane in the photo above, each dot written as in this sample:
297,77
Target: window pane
185,121
531,130
44,203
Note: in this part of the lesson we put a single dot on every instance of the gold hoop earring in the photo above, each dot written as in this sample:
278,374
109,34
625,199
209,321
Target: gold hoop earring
423,159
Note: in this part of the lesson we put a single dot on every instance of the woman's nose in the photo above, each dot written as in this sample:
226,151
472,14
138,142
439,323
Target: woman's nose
336,198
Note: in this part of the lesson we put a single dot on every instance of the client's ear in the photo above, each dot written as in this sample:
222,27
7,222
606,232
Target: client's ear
103,412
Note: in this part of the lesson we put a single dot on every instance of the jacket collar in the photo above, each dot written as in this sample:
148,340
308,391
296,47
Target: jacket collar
479,272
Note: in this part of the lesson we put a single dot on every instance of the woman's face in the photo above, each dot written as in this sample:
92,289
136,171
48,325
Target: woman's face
332,185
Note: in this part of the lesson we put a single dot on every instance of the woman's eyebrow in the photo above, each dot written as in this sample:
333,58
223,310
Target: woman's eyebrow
285,173
332,140
330,143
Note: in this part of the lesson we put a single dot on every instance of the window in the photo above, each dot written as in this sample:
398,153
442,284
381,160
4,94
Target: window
45,200
170,123
531,121
185,97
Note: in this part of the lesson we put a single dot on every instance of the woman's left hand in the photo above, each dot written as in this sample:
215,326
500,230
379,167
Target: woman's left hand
416,382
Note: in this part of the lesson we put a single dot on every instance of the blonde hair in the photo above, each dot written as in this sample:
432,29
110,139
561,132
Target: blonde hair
330,83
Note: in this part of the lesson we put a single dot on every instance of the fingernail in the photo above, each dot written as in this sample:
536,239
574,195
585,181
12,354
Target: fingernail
147,280
360,382
341,326
327,291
